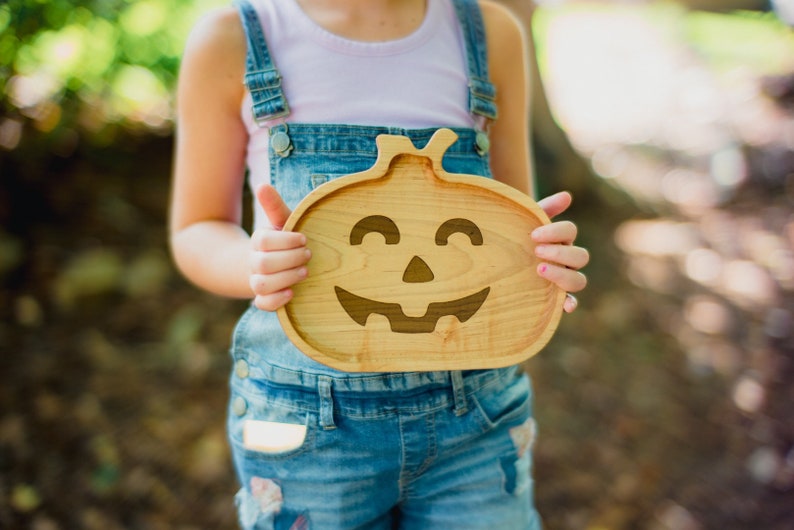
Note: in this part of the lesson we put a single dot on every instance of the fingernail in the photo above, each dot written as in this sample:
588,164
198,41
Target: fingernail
543,268
570,303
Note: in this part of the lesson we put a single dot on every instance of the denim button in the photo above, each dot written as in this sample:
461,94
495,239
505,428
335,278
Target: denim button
241,369
281,143
482,143
239,406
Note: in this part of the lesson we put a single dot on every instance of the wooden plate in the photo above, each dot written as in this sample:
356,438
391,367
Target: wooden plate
416,269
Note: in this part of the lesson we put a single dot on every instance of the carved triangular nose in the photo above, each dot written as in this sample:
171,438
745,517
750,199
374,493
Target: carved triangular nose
417,271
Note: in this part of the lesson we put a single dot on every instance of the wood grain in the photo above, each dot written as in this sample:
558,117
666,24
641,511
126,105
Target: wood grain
415,269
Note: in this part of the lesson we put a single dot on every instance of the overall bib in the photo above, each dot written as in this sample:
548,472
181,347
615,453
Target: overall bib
316,448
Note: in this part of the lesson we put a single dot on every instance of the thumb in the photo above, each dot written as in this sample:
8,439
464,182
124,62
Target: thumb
274,206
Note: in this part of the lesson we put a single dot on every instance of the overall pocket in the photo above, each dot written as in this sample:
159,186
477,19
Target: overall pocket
504,404
261,427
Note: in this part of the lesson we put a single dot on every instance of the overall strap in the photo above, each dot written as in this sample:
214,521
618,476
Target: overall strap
264,81
261,76
482,93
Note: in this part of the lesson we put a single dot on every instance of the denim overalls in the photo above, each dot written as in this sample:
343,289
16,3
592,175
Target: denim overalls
315,448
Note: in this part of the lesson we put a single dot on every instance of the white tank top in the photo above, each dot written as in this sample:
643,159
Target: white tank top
418,81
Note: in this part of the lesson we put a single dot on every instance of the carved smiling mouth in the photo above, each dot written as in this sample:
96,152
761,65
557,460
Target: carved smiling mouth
360,309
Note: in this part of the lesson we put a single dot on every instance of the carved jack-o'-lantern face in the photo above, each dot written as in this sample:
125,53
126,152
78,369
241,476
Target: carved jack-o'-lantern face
416,269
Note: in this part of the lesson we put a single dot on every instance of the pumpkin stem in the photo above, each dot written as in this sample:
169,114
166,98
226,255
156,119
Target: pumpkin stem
435,149
441,140
391,145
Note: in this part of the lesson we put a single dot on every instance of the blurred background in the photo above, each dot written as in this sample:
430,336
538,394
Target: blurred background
665,401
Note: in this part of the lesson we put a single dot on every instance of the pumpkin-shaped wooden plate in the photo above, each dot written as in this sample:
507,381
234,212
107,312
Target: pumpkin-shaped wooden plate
416,269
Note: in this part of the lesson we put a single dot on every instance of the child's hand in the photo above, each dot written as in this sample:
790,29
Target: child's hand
278,258
561,260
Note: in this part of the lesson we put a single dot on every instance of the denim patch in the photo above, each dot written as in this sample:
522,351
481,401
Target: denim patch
524,436
510,472
261,508
516,476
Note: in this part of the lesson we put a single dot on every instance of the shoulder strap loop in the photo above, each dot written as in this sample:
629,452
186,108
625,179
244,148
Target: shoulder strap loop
482,93
261,76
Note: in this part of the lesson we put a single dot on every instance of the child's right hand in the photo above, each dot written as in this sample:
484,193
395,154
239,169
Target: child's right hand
278,258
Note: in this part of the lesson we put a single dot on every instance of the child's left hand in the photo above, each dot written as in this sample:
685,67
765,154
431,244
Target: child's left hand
560,259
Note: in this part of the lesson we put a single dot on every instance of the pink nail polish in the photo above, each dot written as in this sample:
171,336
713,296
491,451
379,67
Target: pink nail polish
543,269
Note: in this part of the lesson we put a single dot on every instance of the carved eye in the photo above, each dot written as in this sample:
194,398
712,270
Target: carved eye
464,226
375,223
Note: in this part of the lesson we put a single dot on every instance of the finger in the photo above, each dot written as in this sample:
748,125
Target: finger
277,261
274,206
555,204
273,301
267,239
566,279
570,304
560,232
268,284
565,255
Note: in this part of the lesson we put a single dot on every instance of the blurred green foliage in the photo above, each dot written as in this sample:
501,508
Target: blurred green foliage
92,65
758,40
81,69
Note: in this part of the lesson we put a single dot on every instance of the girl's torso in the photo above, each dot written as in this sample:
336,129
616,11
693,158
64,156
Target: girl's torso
321,101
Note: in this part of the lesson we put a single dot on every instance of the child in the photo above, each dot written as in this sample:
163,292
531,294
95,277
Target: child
314,447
